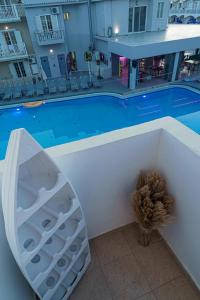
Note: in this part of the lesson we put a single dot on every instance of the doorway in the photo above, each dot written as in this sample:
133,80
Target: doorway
124,70
46,66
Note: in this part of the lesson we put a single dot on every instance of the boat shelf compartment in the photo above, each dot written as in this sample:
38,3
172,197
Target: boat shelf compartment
69,227
49,283
54,245
76,244
80,263
62,201
39,263
29,237
34,175
60,293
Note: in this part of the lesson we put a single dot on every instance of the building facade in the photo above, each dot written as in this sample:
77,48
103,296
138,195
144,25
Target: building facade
186,12
16,51
130,40
61,31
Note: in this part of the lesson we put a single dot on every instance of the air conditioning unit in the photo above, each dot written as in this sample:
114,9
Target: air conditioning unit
55,10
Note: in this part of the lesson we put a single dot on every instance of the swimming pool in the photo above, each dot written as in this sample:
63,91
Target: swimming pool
65,121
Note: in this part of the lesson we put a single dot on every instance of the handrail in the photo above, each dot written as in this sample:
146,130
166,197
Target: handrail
43,36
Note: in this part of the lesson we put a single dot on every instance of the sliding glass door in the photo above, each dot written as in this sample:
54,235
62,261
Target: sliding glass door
140,18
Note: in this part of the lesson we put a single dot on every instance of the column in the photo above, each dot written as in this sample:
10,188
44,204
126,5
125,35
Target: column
133,74
175,68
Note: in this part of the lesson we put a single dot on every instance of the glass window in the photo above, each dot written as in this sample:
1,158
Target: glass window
20,70
10,37
130,20
160,10
140,18
46,23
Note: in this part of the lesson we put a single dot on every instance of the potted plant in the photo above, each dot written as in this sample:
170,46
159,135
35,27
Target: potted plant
152,204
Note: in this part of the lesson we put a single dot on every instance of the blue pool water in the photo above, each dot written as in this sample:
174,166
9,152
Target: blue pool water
61,122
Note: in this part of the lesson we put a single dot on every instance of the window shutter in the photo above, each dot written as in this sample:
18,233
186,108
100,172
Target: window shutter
38,23
18,37
54,21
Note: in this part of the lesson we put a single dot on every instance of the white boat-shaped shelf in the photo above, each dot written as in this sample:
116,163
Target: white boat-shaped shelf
44,222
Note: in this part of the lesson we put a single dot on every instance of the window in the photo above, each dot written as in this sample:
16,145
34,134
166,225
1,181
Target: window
140,18
130,20
20,70
10,38
160,10
46,23
137,18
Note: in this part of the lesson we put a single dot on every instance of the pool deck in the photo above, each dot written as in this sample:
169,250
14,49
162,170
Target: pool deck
108,86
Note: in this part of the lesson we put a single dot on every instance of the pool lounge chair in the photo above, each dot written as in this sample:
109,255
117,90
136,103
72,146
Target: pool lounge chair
40,89
17,92
7,95
30,90
62,85
96,83
84,82
74,84
51,86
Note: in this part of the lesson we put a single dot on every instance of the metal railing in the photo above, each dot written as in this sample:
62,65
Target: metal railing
13,51
153,79
184,11
50,37
9,13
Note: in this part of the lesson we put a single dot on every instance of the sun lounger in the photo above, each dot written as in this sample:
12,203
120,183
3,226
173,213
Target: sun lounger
52,87
17,93
62,85
7,95
84,82
74,84
96,83
30,90
40,89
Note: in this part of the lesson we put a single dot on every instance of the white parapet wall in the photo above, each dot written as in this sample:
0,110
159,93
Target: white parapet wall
104,169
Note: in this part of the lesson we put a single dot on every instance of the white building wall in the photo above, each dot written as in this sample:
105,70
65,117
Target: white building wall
181,165
40,51
111,13
104,170
77,32
104,178
159,23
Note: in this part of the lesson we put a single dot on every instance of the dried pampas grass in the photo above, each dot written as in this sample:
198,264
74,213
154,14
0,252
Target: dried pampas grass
152,203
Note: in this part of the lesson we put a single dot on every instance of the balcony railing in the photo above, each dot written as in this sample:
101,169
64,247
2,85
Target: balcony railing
50,37
184,11
11,13
13,52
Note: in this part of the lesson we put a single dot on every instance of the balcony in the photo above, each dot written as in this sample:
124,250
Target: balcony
182,11
11,13
13,52
50,37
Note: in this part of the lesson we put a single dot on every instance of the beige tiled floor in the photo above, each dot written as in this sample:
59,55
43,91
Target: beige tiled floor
121,269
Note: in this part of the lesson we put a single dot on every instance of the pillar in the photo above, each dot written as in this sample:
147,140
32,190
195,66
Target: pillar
175,67
133,74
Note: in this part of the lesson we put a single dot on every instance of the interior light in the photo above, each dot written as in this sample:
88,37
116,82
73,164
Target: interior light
51,51
6,27
66,16
116,30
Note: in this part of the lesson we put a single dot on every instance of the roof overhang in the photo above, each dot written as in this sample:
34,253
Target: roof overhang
140,45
